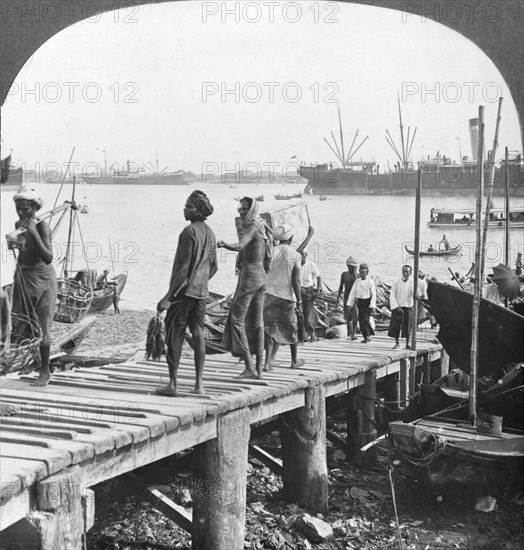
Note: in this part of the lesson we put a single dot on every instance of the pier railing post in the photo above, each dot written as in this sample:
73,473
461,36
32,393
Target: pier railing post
303,438
219,503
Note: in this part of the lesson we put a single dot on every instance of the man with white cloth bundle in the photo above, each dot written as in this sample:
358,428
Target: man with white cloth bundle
401,305
364,294
35,277
283,295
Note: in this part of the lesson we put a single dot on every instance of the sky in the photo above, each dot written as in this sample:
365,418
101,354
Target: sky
210,90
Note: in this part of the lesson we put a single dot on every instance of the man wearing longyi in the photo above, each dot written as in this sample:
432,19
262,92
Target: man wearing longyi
35,285
195,263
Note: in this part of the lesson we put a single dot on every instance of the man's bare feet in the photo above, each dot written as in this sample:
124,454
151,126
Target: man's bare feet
199,390
42,380
8,409
299,363
247,373
268,368
168,391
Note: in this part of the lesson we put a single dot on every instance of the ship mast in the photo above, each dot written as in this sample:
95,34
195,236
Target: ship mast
404,163
341,139
340,152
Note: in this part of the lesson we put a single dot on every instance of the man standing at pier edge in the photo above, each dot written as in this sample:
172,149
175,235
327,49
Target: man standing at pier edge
364,294
195,263
401,304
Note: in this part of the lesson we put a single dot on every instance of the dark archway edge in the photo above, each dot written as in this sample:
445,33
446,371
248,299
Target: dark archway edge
495,26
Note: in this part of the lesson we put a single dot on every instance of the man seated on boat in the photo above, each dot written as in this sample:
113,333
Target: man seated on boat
35,284
430,248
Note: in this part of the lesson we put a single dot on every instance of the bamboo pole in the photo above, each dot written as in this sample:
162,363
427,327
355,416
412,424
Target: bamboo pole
491,177
478,279
506,205
63,179
416,261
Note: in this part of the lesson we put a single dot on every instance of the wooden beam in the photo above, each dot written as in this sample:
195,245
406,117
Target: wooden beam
274,464
303,437
170,509
219,504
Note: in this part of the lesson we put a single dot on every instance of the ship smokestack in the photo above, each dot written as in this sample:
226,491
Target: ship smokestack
474,137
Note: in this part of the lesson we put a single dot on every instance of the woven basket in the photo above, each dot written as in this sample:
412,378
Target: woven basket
73,301
24,346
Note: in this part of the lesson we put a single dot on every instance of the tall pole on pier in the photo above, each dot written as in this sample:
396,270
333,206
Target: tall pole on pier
506,205
478,279
416,264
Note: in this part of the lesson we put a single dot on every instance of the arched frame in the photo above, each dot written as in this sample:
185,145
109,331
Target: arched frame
495,26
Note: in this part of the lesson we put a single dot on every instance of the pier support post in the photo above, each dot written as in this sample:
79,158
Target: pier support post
367,395
404,383
392,391
59,519
219,509
304,458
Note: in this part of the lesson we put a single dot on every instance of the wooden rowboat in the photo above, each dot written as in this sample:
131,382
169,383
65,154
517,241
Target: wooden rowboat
103,297
449,252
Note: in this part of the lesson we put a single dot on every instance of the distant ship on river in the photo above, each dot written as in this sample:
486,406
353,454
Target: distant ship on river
132,174
440,175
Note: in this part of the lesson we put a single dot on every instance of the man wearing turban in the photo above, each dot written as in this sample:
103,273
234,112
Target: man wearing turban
35,285
195,263
347,280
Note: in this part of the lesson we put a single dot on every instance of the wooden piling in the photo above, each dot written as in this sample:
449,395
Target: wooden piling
304,460
367,394
219,502
59,520
444,364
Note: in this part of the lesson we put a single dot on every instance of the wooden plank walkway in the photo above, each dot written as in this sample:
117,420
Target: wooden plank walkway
101,422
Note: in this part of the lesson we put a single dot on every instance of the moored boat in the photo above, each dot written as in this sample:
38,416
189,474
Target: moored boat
463,218
282,197
501,331
104,294
443,252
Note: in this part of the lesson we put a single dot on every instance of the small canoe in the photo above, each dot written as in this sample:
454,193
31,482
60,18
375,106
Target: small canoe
449,252
103,297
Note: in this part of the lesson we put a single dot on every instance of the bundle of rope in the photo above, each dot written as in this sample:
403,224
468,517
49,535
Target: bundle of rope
156,338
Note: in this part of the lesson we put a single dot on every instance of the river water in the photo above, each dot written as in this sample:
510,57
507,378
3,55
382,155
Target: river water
141,225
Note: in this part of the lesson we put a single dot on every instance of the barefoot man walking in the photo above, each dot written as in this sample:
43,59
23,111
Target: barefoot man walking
195,263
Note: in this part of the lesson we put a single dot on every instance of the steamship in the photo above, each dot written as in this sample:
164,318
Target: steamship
440,175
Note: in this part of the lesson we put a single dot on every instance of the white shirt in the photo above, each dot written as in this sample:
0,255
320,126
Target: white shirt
401,294
363,289
279,281
309,275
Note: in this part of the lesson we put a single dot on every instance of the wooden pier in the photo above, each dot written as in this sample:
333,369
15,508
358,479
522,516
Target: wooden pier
91,425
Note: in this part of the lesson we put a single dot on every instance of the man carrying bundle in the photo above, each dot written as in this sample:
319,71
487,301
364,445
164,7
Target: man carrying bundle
35,286
282,299
195,263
